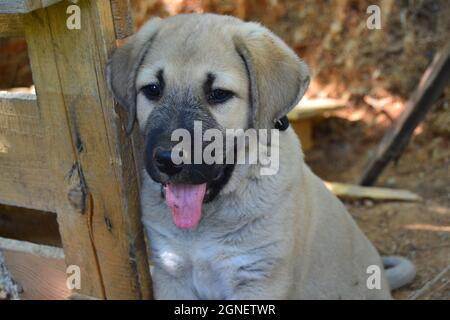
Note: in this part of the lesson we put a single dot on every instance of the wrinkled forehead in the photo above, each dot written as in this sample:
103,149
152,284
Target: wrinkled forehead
188,53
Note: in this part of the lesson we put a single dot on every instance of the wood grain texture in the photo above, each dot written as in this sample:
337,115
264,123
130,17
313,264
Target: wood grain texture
89,152
29,247
40,278
24,171
123,20
11,25
24,6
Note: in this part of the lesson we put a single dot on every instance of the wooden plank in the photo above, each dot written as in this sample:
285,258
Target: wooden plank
123,28
33,248
315,107
90,156
350,191
29,225
11,25
24,171
24,6
431,86
302,115
40,278
123,20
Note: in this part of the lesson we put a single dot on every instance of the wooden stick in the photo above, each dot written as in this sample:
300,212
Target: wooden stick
394,142
350,191
315,107
429,284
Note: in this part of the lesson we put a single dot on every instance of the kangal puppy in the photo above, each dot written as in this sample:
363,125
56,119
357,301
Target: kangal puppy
227,230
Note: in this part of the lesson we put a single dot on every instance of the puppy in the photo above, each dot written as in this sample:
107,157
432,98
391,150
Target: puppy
224,230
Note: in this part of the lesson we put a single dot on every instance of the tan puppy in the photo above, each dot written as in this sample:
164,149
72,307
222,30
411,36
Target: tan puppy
225,231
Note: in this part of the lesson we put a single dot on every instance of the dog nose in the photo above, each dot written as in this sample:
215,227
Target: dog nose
165,164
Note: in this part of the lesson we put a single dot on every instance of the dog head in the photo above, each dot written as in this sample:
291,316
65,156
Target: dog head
217,70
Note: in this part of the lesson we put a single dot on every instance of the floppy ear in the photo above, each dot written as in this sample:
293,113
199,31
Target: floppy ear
122,68
278,78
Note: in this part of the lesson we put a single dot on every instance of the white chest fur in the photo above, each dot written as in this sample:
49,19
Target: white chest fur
211,268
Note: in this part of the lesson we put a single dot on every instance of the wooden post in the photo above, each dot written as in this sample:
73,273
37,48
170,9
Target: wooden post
91,160
123,22
431,86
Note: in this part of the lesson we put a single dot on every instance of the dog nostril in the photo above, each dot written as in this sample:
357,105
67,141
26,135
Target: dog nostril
164,162
163,156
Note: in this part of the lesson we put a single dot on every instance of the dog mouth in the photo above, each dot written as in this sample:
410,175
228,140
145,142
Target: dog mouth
185,201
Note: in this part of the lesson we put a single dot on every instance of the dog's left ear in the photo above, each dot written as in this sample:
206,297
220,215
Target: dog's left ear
278,78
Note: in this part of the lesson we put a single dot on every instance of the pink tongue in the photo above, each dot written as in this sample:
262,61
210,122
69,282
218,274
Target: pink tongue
185,203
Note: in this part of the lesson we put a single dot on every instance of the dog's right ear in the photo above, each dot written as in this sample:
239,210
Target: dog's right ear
123,66
278,78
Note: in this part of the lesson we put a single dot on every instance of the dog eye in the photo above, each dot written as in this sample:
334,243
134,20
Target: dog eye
219,96
152,91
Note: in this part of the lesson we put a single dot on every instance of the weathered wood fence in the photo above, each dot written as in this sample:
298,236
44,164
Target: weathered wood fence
63,149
